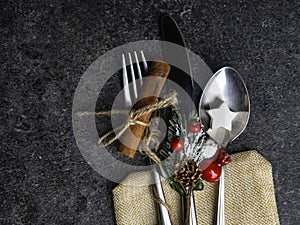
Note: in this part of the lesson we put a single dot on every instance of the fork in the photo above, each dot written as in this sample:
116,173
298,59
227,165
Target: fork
130,98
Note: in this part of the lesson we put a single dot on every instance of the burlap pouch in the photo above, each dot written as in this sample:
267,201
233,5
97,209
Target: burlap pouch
249,196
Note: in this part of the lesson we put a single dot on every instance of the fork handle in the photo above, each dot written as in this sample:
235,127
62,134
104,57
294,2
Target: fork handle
151,89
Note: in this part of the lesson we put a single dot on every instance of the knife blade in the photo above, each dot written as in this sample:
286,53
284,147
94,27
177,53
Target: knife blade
171,33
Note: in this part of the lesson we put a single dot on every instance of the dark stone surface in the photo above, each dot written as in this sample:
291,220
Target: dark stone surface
47,45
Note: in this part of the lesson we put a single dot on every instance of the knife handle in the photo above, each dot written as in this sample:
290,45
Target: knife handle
152,88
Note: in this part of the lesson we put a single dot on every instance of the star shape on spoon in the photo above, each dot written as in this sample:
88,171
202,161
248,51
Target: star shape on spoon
222,117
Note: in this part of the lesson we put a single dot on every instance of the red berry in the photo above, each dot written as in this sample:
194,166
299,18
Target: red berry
177,144
211,170
212,173
194,126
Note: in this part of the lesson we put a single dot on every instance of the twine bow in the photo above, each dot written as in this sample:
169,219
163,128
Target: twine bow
133,118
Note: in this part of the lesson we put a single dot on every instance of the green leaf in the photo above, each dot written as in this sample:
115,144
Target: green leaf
199,186
177,187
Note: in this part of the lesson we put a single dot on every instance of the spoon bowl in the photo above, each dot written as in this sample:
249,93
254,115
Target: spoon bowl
225,86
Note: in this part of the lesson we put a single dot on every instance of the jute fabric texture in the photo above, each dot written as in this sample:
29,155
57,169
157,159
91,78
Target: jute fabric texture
249,196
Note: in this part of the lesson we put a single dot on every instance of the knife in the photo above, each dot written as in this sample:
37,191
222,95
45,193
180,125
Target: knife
170,32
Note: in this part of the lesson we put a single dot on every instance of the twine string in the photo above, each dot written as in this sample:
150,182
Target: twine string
150,137
159,200
109,112
145,150
133,118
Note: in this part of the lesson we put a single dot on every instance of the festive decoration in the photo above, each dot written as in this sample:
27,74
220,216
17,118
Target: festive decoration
194,126
193,141
212,172
222,117
185,152
187,173
177,144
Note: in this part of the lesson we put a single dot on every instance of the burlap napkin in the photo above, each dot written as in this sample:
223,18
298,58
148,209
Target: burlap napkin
249,196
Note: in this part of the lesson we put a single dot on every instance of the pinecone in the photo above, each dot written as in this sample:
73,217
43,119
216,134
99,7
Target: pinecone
187,173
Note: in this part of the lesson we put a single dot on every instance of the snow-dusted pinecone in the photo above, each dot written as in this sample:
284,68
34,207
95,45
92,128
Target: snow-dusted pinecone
187,173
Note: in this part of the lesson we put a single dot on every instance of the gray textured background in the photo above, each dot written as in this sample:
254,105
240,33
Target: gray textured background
47,45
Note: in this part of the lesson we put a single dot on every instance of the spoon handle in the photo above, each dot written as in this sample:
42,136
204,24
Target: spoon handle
221,199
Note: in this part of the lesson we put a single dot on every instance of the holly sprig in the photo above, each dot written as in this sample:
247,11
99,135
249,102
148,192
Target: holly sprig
184,140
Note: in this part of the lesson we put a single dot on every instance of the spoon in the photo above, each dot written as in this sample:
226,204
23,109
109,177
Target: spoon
227,89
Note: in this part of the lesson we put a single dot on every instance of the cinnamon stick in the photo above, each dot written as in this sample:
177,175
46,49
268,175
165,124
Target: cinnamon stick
131,138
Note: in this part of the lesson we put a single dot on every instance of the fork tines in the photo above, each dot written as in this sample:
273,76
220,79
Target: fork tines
128,99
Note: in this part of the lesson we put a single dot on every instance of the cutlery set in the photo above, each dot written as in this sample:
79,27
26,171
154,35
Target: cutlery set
225,86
